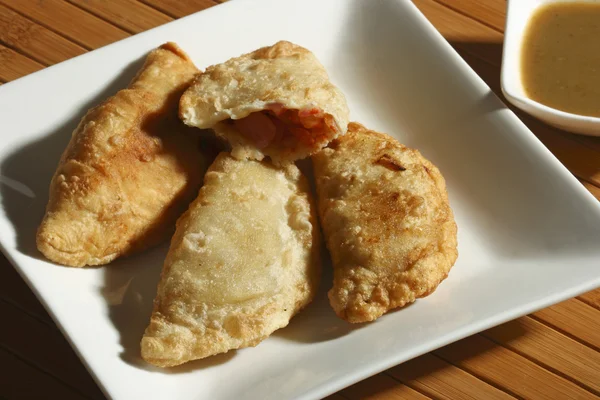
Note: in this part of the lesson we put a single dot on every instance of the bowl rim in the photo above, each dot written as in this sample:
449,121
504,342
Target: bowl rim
508,81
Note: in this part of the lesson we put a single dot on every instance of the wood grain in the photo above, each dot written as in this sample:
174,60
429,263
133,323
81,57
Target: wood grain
506,369
462,31
490,13
440,380
552,354
33,40
21,380
15,65
550,349
592,298
33,340
589,141
381,387
576,319
595,191
129,15
73,23
13,290
178,8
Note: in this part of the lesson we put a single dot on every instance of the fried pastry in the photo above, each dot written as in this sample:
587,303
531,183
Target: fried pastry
387,223
130,169
276,101
243,261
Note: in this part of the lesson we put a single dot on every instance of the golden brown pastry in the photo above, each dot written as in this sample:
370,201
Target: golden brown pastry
130,169
387,223
276,101
244,260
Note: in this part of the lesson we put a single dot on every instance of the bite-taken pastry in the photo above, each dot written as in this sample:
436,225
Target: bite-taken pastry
387,223
130,169
276,101
243,261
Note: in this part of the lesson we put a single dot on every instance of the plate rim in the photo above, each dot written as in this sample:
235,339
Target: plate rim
383,363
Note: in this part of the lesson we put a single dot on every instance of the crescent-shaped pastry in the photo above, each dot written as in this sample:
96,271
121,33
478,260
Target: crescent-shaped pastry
276,101
130,169
387,223
244,260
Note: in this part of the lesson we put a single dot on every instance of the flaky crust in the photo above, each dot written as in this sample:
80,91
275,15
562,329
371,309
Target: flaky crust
130,169
387,223
284,74
243,261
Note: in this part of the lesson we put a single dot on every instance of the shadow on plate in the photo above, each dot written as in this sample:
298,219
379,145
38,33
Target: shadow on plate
318,322
490,73
129,289
495,178
130,282
26,173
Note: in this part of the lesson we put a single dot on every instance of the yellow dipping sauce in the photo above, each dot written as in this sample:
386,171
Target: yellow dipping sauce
560,60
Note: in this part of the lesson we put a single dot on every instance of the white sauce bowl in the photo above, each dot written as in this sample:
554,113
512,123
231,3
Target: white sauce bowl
518,15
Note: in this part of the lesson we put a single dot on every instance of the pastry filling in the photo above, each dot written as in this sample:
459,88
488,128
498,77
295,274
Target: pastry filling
289,128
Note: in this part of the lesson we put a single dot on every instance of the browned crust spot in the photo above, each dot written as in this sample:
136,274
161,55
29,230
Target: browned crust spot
388,162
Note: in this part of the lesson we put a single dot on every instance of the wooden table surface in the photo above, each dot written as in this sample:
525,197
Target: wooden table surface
551,354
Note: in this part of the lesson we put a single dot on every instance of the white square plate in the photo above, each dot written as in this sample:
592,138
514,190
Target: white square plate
529,233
